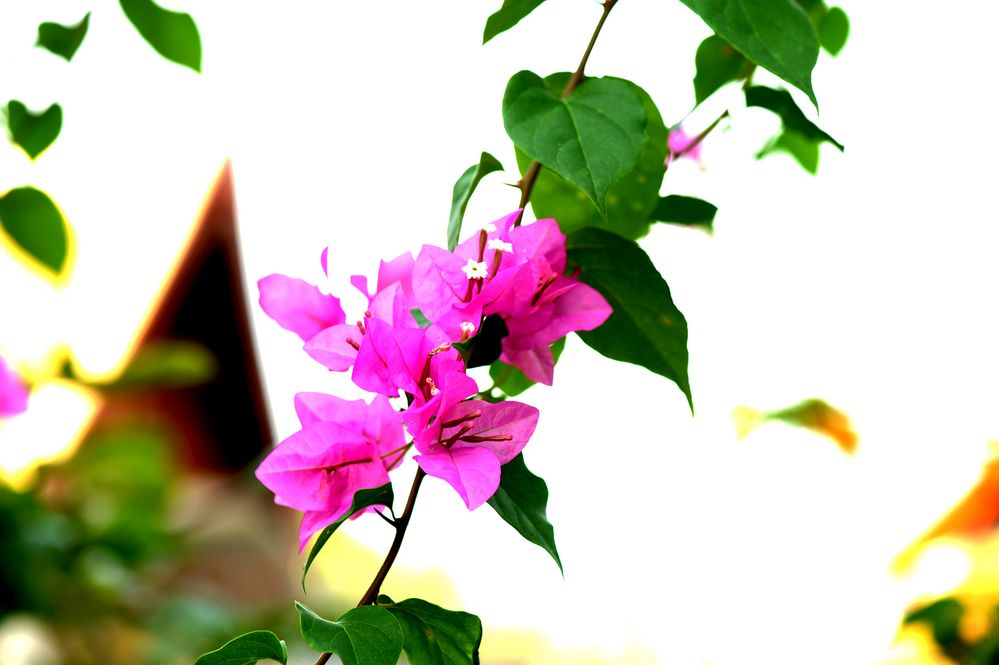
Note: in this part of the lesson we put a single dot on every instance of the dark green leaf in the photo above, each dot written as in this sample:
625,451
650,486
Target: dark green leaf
717,63
487,344
508,16
63,40
511,380
247,649
34,223
174,35
421,320
592,138
34,132
367,635
804,151
775,34
834,28
944,618
522,500
629,201
645,328
781,103
462,193
686,211
435,636
378,496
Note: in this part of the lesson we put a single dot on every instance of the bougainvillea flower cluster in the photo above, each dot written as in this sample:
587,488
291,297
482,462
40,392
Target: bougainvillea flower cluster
13,392
407,344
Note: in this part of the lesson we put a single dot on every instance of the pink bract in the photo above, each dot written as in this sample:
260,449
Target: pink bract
299,306
679,143
13,392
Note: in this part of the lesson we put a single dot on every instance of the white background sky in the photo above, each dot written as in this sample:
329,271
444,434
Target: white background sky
872,285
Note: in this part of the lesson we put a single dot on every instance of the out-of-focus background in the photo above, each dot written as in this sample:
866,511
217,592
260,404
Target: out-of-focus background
765,529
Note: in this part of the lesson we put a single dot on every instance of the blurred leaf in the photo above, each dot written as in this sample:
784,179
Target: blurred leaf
485,347
508,16
717,63
173,35
63,40
367,635
805,151
34,132
944,618
511,380
592,138
775,34
819,416
834,28
685,211
645,327
522,501
793,119
34,223
166,365
434,635
462,193
629,201
247,649
377,496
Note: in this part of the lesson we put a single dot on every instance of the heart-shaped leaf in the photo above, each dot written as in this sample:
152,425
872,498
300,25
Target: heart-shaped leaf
834,28
434,635
522,501
35,225
645,328
775,34
508,16
592,138
462,193
247,649
378,496
63,40
367,635
34,132
173,35
629,201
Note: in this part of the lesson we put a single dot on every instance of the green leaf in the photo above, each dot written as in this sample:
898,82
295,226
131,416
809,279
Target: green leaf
804,151
63,40
174,35
367,635
944,618
435,636
792,117
508,16
629,201
35,224
166,364
522,500
511,380
418,316
485,347
34,132
686,211
377,496
462,193
645,327
775,34
247,649
834,28
717,63
592,138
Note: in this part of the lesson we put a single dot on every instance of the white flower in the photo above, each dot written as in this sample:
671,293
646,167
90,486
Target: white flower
496,243
467,328
475,269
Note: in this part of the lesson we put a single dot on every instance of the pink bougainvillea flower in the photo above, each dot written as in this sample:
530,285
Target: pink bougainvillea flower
681,144
521,279
468,442
343,446
13,392
299,306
